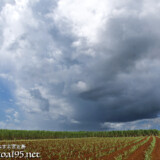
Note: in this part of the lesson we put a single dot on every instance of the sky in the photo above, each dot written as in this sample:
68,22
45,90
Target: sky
79,65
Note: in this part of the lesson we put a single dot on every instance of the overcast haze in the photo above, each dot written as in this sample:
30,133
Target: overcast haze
79,65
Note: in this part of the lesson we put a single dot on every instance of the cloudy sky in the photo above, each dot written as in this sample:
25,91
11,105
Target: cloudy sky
79,65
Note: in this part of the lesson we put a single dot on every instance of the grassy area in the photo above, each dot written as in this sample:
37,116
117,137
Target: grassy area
25,134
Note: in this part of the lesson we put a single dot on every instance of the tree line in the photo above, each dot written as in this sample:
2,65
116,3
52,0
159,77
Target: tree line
30,134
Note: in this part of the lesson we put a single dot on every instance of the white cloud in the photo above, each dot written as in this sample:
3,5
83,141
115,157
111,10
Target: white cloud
80,86
84,17
139,124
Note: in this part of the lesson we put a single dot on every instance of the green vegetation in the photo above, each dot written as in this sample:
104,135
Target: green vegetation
148,153
125,145
131,150
24,134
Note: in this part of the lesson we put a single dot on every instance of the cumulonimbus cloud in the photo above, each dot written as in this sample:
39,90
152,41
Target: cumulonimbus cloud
81,64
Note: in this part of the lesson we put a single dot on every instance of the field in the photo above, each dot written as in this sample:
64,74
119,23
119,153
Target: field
91,148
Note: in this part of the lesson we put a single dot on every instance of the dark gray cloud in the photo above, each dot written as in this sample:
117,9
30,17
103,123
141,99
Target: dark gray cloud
43,102
121,89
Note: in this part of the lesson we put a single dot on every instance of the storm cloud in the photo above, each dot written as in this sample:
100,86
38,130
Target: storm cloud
82,65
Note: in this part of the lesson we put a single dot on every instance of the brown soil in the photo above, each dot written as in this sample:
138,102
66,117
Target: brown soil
118,152
139,154
156,150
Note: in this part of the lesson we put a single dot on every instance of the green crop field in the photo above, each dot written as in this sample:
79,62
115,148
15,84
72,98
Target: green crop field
48,145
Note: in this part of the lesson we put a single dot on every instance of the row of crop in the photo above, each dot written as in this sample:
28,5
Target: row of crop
24,134
120,147
131,150
147,153
82,148
88,148
75,148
